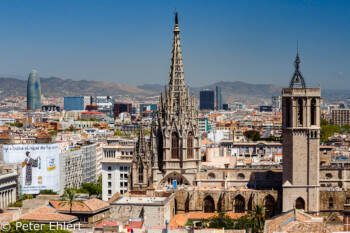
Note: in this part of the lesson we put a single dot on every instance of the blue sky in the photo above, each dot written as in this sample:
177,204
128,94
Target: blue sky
129,42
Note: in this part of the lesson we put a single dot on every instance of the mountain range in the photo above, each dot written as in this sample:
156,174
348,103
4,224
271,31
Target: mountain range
232,91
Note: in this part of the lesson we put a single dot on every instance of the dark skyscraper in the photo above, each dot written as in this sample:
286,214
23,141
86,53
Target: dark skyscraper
206,98
33,91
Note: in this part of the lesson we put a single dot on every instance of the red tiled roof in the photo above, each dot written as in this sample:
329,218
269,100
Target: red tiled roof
134,225
5,136
111,224
180,220
47,214
90,205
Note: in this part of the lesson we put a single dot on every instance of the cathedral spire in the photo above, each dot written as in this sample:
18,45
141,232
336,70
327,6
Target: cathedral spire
297,78
176,79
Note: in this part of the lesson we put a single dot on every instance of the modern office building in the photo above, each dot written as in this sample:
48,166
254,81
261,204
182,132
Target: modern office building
219,98
116,162
147,107
72,103
71,169
121,107
50,108
105,104
206,100
340,117
264,108
33,91
89,163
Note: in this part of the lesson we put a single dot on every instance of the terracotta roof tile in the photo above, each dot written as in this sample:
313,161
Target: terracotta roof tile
90,205
47,214
180,220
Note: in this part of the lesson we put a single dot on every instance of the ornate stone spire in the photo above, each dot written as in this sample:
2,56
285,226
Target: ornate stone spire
141,144
176,80
297,78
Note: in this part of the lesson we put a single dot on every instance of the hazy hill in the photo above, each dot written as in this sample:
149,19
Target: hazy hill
57,87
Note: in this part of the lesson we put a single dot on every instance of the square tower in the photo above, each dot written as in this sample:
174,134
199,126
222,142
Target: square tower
301,140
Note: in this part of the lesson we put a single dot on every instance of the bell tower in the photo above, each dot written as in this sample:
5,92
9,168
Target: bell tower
301,140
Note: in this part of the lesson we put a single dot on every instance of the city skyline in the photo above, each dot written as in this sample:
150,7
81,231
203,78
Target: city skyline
234,41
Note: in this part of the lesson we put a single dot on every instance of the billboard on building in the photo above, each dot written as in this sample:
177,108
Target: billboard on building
39,164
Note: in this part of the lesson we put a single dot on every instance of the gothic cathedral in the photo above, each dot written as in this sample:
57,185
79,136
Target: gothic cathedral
173,152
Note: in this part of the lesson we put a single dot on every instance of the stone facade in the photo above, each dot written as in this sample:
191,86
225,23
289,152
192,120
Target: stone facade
301,140
174,149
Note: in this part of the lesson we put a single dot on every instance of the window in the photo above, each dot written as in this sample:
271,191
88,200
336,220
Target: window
109,184
109,192
83,219
125,176
300,204
121,191
121,176
109,176
109,168
240,176
174,146
300,112
125,184
211,176
121,184
190,145
141,173
313,112
269,206
330,202
328,176
239,204
209,206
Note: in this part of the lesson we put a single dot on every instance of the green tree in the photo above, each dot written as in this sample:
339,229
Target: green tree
257,219
70,198
324,122
47,191
221,220
52,132
91,189
345,128
252,135
147,131
327,131
118,133
243,222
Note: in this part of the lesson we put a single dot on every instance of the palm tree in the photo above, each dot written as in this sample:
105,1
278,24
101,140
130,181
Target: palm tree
70,198
258,218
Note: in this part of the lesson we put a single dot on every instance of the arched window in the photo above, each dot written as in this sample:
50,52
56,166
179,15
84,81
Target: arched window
347,201
313,112
250,203
187,204
141,173
328,176
174,146
240,176
330,202
288,118
269,206
211,176
300,204
300,112
190,145
209,206
239,204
